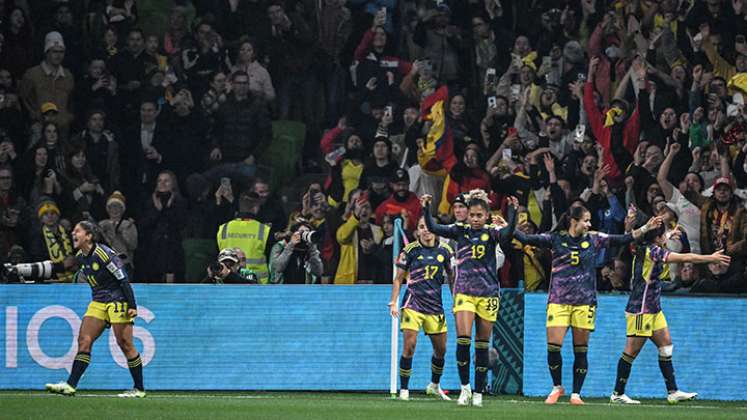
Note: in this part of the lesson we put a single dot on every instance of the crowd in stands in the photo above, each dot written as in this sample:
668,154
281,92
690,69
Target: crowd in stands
168,139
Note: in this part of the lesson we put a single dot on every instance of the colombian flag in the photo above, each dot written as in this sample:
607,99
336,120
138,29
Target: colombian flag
436,156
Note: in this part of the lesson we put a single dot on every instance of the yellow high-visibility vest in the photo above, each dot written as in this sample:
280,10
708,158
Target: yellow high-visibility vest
250,236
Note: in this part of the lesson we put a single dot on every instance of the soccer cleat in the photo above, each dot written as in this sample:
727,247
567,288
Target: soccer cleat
677,396
436,391
132,393
62,388
477,399
622,399
557,392
465,396
576,399
404,395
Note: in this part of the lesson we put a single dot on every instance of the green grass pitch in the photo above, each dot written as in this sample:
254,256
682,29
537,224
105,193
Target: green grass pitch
329,406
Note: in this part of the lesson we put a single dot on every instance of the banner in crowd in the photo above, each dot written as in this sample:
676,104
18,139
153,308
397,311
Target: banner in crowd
708,333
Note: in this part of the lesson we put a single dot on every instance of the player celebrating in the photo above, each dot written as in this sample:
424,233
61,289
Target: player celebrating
645,320
572,297
427,265
113,304
476,287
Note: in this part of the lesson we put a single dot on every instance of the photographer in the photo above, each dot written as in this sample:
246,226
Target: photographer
296,259
226,270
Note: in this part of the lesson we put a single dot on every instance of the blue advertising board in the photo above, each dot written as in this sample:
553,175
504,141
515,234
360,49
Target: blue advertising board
215,338
710,347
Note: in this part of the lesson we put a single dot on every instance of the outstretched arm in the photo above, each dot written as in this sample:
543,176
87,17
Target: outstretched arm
717,257
543,240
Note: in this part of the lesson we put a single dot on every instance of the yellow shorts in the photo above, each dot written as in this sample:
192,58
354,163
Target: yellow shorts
486,307
576,316
430,324
644,325
112,312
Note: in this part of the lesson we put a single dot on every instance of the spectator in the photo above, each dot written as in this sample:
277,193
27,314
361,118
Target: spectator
402,202
248,234
242,131
346,172
186,150
130,67
723,225
441,42
51,241
378,171
177,32
161,257
296,259
204,58
141,157
98,88
334,30
260,82
39,179
270,210
17,47
13,212
102,148
359,241
119,232
288,43
216,95
49,82
466,176
84,195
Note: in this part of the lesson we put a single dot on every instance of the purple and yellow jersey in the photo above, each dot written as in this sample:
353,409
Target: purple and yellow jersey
105,273
574,276
476,254
650,268
427,269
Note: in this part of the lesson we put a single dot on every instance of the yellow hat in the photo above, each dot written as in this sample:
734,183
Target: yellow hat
47,206
49,106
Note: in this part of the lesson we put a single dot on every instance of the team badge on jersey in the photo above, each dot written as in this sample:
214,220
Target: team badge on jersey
95,266
585,244
440,258
484,237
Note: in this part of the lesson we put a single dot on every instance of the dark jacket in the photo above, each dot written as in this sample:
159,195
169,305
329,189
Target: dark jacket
242,128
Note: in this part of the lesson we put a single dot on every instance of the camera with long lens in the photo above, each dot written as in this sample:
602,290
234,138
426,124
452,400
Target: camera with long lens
216,267
28,272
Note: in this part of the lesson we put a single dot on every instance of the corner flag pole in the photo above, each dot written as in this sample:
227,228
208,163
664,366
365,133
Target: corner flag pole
394,339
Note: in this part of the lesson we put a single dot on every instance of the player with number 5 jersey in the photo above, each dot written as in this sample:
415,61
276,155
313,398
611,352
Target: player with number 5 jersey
476,286
572,296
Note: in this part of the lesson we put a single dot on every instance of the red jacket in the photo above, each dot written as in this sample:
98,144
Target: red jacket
393,207
603,134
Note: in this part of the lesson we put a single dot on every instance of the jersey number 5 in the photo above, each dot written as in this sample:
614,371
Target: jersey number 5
478,251
431,271
575,260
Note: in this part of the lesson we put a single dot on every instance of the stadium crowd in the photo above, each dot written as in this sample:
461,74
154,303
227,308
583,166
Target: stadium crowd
632,108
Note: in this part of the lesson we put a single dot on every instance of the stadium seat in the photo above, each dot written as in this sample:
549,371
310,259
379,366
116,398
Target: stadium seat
283,154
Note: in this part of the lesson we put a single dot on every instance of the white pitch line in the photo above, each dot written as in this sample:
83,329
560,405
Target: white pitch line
418,399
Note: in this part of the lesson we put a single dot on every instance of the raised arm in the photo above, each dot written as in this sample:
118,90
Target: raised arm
447,231
661,177
507,232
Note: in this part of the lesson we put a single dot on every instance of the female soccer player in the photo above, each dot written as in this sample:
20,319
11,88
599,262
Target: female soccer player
113,304
572,297
644,316
476,287
427,265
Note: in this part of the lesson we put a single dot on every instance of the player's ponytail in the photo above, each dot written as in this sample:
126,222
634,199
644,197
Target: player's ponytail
480,198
